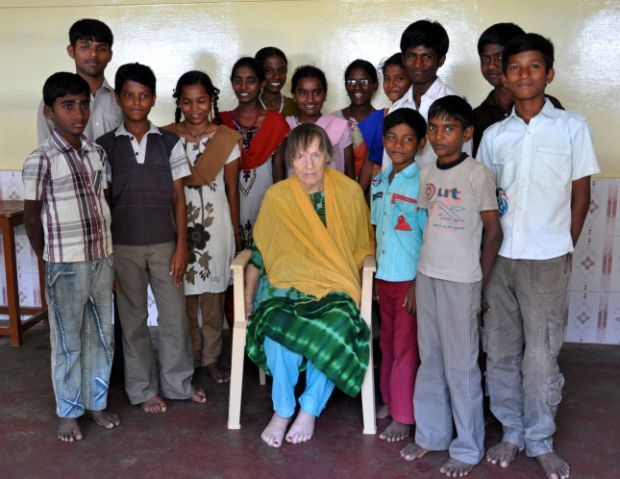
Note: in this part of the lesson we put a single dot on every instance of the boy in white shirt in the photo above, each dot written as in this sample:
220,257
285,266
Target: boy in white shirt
424,45
542,158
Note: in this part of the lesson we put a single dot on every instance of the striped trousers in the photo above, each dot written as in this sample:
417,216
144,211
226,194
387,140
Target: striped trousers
448,385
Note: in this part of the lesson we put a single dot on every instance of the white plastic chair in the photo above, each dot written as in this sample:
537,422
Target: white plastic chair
238,344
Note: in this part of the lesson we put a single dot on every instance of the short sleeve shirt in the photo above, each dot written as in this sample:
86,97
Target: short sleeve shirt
534,165
454,198
399,223
70,184
178,158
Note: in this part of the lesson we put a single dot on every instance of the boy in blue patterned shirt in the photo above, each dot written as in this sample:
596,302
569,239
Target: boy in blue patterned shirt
399,225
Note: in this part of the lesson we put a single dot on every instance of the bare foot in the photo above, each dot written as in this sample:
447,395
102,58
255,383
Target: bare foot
454,468
383,412
273,434
503,453
155,405
302,428
217,374
554,466
69,430
412,451
199,395
395,432
105,419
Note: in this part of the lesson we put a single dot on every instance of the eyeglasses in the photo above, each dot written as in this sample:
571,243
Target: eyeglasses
354,82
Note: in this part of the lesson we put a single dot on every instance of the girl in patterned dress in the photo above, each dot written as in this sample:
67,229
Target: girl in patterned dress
212,200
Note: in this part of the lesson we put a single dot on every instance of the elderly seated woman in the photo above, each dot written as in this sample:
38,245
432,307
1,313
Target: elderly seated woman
303,286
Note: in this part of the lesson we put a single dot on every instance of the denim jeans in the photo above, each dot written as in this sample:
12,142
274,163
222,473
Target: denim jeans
522,336
79,298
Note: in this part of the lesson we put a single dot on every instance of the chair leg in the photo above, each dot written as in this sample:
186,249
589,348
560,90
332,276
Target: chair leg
236,375
368,386
368,398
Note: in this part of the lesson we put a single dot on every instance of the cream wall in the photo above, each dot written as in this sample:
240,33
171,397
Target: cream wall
176,36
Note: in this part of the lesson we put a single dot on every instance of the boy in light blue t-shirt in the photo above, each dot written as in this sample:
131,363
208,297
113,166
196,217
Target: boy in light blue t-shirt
399,224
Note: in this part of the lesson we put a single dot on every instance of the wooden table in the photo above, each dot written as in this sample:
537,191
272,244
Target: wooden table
11,216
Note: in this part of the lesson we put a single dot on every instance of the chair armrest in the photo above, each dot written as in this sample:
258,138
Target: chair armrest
240,261
238,269
368,269
369,264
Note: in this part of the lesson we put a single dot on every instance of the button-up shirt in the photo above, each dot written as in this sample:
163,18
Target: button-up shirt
105,115
437,90
490,112
534,165
399,223
179,165
70,184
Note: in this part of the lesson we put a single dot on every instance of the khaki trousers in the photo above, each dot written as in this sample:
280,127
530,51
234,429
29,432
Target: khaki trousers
137,267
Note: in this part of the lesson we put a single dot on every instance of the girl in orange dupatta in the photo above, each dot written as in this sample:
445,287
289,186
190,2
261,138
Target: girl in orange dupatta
262,133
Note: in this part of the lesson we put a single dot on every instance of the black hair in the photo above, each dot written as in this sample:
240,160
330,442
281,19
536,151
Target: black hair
195,77
302,136
134,72
453,107
425,33
499,34
90,29
409,117
250,63
396,59
62,84
365,65
526,43
266,52
308,71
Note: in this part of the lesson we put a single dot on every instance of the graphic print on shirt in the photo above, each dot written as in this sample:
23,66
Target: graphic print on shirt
502,202
406,207
445,206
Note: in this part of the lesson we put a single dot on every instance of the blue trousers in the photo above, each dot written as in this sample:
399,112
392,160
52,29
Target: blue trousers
284,367
79,298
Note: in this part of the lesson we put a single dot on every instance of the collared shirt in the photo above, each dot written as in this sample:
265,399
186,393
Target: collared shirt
437,90
399,223
178,159
534,166
75,214
490,112
105,115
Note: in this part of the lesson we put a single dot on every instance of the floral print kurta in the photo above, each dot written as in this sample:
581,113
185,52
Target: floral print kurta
210,234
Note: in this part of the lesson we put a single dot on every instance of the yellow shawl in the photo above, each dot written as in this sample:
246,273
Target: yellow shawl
300,252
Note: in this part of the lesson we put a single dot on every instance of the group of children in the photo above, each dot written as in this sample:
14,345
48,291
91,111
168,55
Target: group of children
529,193
185,197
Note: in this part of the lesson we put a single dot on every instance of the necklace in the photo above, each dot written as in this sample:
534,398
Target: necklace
199,135
237,119
262,103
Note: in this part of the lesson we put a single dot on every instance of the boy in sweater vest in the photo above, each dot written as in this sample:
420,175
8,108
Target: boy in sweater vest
149,234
